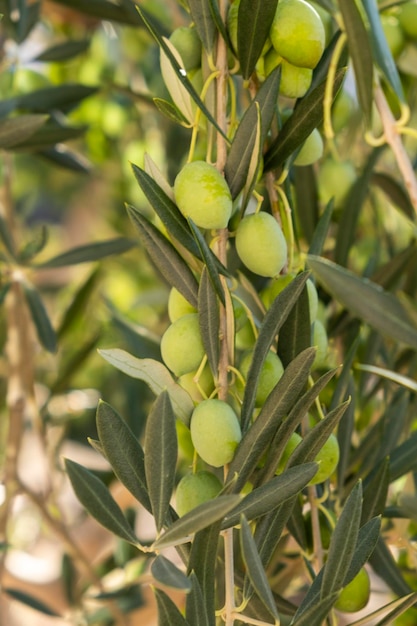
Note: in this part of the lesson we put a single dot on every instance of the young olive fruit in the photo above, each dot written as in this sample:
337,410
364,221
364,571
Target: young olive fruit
195,389
294,81
355,595
297,33
187,42
313,300
271,291
178,305
327,457
194,489
335,178
311,150
319,339
215,432
245,337
271,372
261,245
408,18
202,194
181,345
290,446
394,34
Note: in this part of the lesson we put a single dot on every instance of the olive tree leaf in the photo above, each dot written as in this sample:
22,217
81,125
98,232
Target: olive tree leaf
254,567
202,15
210,261
161,456
96,498
155,375
178,92
165,257
196,609
202,562
254,22
361,54
168,613
40,318
403,459
385,566
123,451
61,98
64,51
394,191
18,129
166,573
89,253
314,614
29,600
366,300
209,320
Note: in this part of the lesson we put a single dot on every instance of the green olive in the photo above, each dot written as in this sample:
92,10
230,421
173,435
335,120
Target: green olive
205,384
187,42
202,194
215,432
327,458
297,33
181,345
271,372
178,305
355,595
408,18
311,150
194,489
320,340
261,245
335,178
295,81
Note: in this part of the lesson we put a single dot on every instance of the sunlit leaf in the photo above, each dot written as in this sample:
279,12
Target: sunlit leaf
97,499
155,375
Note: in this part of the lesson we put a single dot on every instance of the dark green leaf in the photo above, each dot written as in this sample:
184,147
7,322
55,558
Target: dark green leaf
62,98
209,259
168,574
315,614
361,54
161,456
343,543
404,458
96,498
75,313
270,528
64,51
366,300
395,192
255,568
271,324
66,158
381,49
29,600
271,495
375,491
202,16
196,608
307,116
123,451
209,320
247,135
385,566
17,130
319,236
258,437
168,613
170,111
48,135
40,318
35,245
165,257
202,562
254,22
200,517
90,252
295,335
367,539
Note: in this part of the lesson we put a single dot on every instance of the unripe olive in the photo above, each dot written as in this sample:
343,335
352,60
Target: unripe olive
178,305
261,245
181,345
297,33
311,150
320,340
327,458
239,312
335,178
194,489
355,595
408,18
188,44
295,80
202,194
205,384
393,33
271,291
245,337
271,372
291,445
313,300
215,432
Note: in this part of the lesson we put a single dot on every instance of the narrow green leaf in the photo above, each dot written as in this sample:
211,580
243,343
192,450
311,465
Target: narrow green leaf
271,324
168,613
368,536
161,456
202,562
269,529
166,210
254,22
165,257
401,605
385,566
381,49
251,131
62,156
155,375
123,451
255,568
375,491
395,192
18,129
89,253
404,381
306,201
361,54
295,333
366,300
96,498
201,517
48,135
64,51
196,609
202,16
258,437
40,318
307,116
28,600
271,495
404,459
209,259
170,111
209,320
79,303
61,98
319,236
343,543
316,613
168,574
35,245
